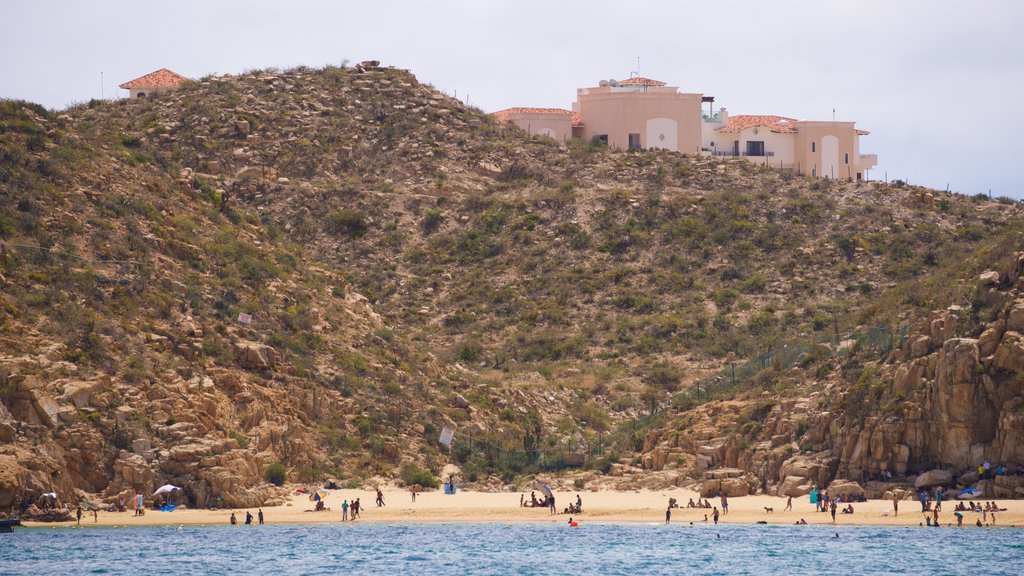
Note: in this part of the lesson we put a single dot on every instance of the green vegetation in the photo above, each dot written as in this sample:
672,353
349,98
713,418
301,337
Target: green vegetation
411,475
274,473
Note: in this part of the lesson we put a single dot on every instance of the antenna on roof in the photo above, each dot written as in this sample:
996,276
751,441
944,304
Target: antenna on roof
833,114
101,84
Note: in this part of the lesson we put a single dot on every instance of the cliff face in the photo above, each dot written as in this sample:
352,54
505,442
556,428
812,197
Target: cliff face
959,383
950,398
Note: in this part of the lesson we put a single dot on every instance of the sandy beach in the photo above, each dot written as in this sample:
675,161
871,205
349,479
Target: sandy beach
600,507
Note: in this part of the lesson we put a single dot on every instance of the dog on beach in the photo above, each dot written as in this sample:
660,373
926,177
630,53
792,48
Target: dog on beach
768,509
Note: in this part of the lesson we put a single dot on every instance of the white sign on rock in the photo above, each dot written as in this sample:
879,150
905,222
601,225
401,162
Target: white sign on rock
245,318
447,435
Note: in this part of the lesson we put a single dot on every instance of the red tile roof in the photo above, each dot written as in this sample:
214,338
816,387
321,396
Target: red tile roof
505,115
863,132
642,81
162,78
741,122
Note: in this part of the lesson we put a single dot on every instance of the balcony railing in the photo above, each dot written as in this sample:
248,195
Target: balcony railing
741,153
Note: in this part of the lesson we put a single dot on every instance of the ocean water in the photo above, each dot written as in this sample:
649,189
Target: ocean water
450,549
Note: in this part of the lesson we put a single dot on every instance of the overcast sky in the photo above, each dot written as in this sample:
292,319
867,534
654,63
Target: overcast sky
939,83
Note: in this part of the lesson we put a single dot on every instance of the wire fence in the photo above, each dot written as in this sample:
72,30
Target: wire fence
879,340
550,459
630,435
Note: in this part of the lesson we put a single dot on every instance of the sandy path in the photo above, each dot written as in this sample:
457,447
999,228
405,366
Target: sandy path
604,507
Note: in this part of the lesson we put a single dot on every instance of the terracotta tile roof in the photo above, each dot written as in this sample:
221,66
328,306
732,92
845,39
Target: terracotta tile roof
642,81
506,114
741,122
162,78
863,132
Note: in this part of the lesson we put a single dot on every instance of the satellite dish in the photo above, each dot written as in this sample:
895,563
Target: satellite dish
602,83
613,82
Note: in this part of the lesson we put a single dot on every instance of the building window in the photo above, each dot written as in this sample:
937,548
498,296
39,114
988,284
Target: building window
847,158
755,148
812,146
634,141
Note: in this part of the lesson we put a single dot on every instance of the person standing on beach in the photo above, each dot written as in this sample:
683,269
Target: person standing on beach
355,509
551,500
715,515
725,504
938,498
895,504
935,514
261,516
78,513
789,504
832,508
234,521
248,518
380,498
668,515
344,511
923,497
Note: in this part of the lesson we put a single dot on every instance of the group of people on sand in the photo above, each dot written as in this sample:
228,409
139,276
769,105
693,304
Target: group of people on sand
546,502
691,504
248,518
355,506
673,503
574,508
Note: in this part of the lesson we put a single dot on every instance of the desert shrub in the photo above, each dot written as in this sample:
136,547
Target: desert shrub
469,351
346,222
432,220
242,439
412,474
274,473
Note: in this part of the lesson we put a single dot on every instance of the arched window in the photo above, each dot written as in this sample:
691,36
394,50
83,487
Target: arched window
140,95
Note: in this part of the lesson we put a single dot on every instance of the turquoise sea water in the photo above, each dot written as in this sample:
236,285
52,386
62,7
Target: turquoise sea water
632,549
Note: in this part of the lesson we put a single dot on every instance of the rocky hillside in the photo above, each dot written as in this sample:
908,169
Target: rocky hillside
408,263
929,412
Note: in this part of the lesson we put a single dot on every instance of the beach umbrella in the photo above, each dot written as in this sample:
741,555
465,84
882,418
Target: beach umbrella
543,488
165,488
320,494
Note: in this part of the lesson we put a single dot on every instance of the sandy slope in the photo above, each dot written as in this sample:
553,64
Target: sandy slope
605,507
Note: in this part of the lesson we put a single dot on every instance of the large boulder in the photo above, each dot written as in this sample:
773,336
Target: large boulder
844,488
1009,355
1015,317
254,356
734,487
934,478
795,486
